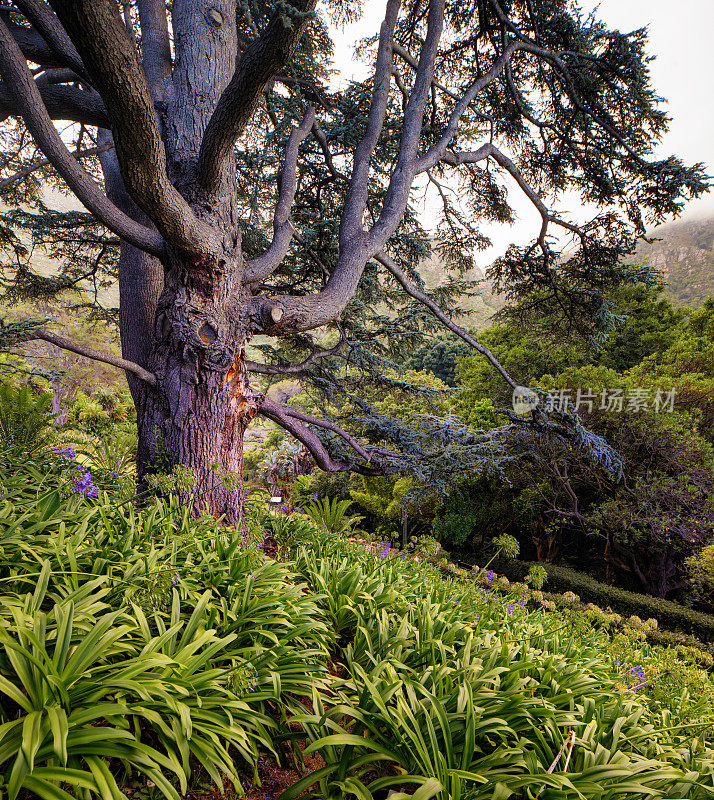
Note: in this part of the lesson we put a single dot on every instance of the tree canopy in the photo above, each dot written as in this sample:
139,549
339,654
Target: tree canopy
232,192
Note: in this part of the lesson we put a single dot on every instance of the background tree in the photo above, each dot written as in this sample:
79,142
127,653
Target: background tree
209,122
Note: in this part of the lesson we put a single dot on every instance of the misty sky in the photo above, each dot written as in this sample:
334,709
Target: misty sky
682,44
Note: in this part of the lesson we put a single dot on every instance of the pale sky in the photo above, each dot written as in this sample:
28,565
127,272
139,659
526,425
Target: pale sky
681,72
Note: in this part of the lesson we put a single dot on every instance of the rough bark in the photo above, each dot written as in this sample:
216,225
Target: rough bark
203,402
141,276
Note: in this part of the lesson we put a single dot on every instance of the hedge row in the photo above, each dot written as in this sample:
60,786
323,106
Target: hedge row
668,614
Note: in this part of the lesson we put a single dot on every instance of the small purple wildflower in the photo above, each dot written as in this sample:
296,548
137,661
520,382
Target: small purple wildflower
490,575
83,484
384,549
68,452
509,608
638,675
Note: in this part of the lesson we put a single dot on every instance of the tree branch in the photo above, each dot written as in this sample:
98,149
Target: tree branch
61,103
289,314
16,75
356,200
412,290
44,162
88,352
259,268
155,45
44,20
32,45
258,65
294,422
292,369
436,152
397,194
278,414
110,57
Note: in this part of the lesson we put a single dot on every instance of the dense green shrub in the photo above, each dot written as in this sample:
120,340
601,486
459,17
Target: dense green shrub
670,615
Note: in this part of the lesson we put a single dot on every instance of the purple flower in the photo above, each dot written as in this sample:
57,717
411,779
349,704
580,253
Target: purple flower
384,549
490,575
509,608
68,452
83,484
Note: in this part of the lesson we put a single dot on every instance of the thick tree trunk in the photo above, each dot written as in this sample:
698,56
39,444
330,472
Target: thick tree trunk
196,419
197,414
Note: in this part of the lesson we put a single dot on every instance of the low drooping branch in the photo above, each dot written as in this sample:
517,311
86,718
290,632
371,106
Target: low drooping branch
262,266
278,414
138,143
259,63
15,73
44,162
88,352
297,423
412,290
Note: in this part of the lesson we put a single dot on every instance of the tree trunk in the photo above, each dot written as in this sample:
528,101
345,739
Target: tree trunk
197,414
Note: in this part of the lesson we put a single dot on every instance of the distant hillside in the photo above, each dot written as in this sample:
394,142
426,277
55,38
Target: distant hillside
479,308
684,253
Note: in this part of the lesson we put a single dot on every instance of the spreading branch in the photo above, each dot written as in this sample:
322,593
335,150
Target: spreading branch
101,38
60,102
262,266
417,294
397,195
155,45
356,200
297,423
258,65
293,369
15,74
52,32
88,352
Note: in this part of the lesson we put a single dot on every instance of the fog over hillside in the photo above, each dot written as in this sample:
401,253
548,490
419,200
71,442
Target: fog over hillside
684,253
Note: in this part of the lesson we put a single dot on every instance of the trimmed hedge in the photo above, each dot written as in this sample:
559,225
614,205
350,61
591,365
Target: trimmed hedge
668,614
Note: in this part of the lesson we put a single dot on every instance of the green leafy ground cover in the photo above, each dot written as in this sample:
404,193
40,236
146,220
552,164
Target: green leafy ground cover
144,654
